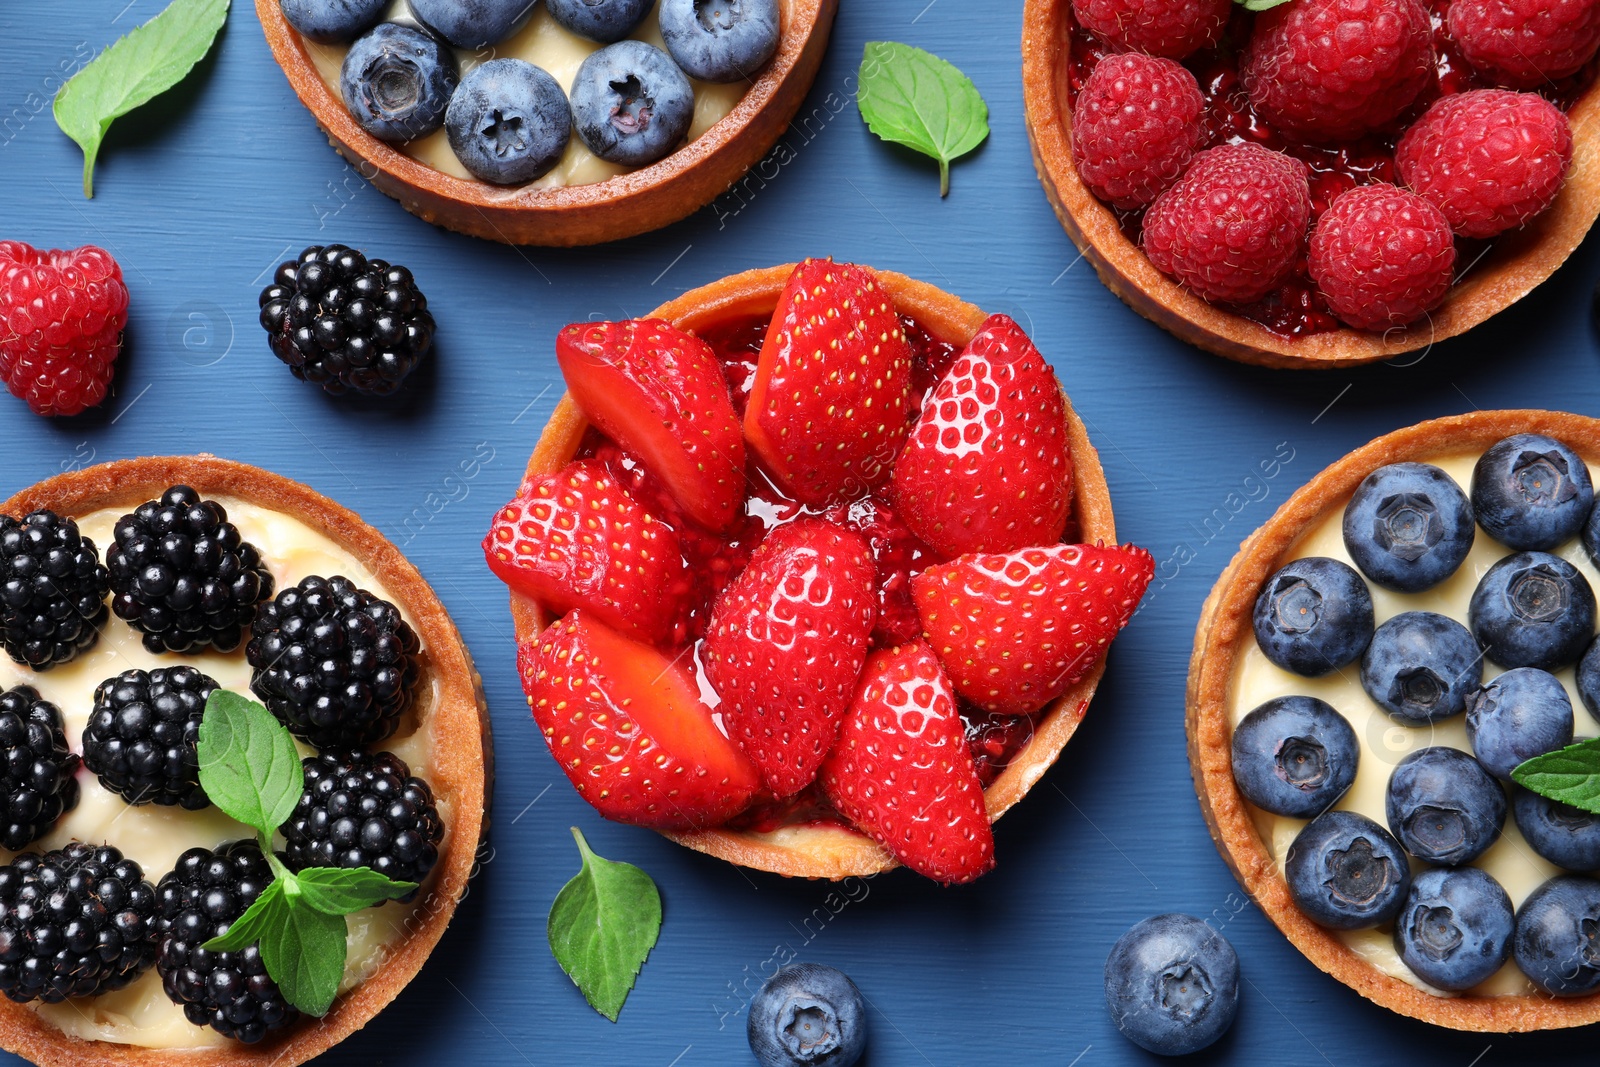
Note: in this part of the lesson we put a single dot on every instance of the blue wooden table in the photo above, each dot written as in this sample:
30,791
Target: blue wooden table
200,195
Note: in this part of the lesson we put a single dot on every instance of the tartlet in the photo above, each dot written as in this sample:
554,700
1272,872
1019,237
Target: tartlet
625,206
460,763
834,851
1517,263
1225,633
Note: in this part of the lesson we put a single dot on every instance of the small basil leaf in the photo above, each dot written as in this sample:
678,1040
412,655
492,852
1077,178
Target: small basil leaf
249,766
304,954
602,927
1570,775
914,98
262,915
340,891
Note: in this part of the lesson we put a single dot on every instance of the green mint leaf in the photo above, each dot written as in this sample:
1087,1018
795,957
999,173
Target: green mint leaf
602,927
249,766
1570,775
916,99
303,950
340,891
144,64
248,928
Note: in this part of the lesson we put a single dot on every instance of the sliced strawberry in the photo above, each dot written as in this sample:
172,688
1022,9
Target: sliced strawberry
831,400
902,772
575,538
628,727
1014,631
660,393
786,643
987,467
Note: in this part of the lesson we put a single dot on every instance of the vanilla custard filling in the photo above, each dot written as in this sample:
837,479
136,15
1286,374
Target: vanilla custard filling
155,836
1384,742
545,43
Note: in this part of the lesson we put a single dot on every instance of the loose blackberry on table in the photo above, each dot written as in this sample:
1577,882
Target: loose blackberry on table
52,590
141,736
364,810
38,779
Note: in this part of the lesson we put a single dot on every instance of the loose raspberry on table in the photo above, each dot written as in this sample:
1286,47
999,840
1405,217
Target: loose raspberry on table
1329,70
1523,44
1234,225
1171,28
1136,125
1382,256
61,321
1491,159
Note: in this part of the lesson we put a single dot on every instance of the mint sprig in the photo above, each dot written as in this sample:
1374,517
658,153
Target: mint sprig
251,770
1569,775
914,98
602,927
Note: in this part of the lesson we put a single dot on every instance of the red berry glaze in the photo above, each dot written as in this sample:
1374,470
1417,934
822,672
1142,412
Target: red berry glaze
899,556
1014,631
1171,28
61,320
1525,44
786,644
1233,228
1135,126
1382,256
902,771
1491,159
987,467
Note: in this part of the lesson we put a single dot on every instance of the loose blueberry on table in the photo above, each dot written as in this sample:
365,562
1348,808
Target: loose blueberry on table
1172,985
808,1015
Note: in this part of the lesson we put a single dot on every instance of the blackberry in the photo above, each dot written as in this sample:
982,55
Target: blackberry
38,780
74,922
230,992
182,575
362,809
346,322
52,590
335,663
141,735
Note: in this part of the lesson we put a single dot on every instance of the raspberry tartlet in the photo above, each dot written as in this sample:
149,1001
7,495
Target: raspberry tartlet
197,574
813,570
1408,628
1133,118
577,194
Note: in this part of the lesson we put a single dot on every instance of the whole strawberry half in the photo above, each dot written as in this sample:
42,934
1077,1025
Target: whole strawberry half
61,320
902,772
1014,631
830,402
575,538
987,468
786,644
660,393
627,726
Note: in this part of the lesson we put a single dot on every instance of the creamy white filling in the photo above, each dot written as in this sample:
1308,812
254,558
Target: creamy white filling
1385,742
544,43
155,836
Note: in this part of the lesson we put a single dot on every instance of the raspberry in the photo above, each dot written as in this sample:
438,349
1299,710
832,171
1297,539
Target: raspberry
61,320
1491,159
1234,226
1171,28
1382,256
1135,127
1332,70
1525,43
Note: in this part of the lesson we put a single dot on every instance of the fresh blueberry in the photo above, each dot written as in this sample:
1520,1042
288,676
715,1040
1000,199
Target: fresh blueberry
1531,492
599,20
1420,667
1294,756
1456,928
397,82
1532,610
508,122
808,1015
1444,806
631,104
1562,834
1519,715
1346,872
1591,531
1588,678
1558,936
1172,985
472,24
1408,526
720,40
1313,616
332,21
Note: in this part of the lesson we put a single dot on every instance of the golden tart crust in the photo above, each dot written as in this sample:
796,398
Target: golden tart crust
1518,262
461,760
829,851
1225,629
